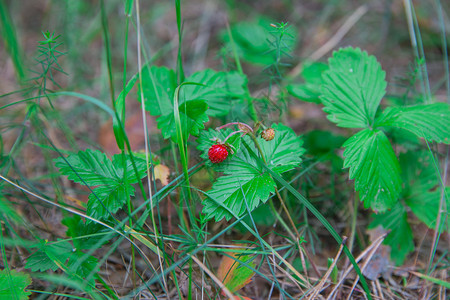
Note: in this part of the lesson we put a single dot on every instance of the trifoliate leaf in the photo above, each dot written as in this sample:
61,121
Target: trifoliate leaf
400,239
217,89
310,90
13,284
352,88
429,121
374,167
245,183
50,256
93,168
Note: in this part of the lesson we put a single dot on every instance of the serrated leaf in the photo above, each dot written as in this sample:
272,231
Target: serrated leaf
284,152
93,168
352,88
13,284
192,117
246,184
400,239
374,167
81,232
50,256
158,87
78,269
310,90
108,199
430,121
217,89
229,195
208,138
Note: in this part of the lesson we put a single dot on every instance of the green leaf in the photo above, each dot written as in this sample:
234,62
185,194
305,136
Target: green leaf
374,167
426,207
217,89
158,87
120,109
208,138
310,90
418,173
82,232
50,256
422,191
93,168
253,41
400,239
7,211
245,182
230,195
80,270
352,88
13,284
192,117
429,121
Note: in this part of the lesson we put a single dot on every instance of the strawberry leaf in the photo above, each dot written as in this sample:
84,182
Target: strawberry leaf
422,192
245,183
430,121
309,90
192,117
158,88
79,269
375,168
352,88
13,284
49,256
400,239
93,168
209,95
82,232
426,207
217,89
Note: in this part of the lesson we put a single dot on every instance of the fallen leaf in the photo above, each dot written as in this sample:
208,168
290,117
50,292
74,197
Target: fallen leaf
162,173
234,274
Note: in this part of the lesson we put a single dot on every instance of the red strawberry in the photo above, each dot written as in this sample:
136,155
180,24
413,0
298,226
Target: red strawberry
217,153
268,134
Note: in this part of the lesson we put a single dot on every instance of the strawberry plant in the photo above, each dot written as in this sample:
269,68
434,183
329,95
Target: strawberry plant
352,88
206,177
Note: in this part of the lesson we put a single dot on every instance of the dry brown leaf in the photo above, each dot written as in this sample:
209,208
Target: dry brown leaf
162,173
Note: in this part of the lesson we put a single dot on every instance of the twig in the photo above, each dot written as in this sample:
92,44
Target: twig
213,277
319,286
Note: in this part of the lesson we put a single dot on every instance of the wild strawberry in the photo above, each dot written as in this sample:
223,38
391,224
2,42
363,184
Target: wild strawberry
217,153
268,134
